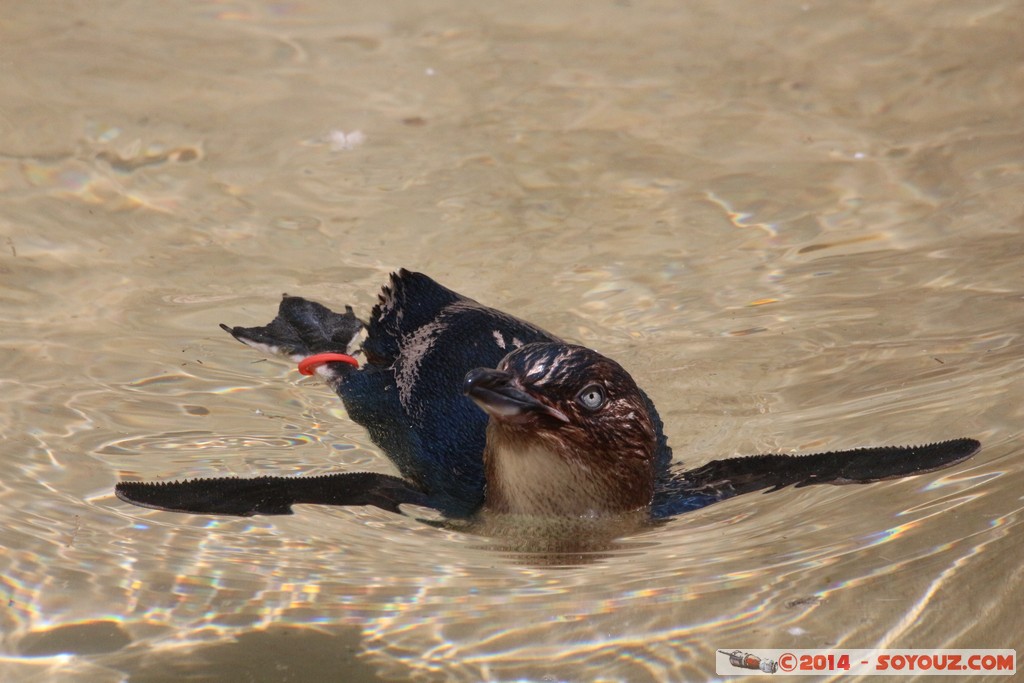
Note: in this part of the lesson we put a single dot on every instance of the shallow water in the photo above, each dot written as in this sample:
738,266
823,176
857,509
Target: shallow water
798,224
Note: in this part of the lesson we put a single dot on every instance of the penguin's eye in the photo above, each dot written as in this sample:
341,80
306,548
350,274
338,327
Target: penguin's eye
591,397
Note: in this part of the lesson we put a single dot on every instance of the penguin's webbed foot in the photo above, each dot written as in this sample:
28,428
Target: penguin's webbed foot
302,328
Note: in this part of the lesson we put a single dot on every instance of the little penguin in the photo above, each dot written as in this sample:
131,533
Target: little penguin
486,415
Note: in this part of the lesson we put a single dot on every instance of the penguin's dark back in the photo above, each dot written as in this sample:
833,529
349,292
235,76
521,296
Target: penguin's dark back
422,340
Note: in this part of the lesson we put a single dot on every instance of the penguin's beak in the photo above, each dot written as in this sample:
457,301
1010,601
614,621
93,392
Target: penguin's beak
503,398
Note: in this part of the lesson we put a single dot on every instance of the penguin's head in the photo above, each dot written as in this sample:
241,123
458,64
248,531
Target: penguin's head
569,433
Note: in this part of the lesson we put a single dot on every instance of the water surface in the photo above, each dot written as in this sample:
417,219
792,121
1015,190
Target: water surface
799,225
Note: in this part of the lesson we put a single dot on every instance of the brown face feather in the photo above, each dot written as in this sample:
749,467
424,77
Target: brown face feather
569,433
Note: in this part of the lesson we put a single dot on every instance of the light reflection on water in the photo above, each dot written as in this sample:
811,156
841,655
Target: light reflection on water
799,233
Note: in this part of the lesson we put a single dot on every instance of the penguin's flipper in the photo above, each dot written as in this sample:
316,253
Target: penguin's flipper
302,328
272,495
720,479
